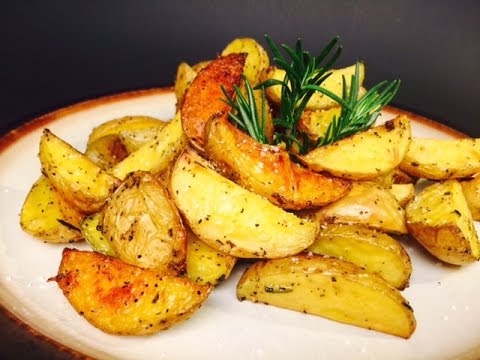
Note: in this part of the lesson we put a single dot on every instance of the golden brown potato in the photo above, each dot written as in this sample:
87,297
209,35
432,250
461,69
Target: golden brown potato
331,288
131,123
231,219
315,123
471,190
135,139
157,154
206,265
123,299
200,65
364,155
267,170
183,79
106,151
442,159
372,250
91,227
367,204
143,225
82,183
440,220
203,99
318,101
400,177
404,193
47,216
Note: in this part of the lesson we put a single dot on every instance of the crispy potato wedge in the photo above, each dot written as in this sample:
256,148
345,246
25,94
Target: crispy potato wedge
81,182
91,228
143,225
257,58
401,177
331,288
372,250
205,265
203,99
135,139
364,155
231,219
106,151
47,216
315,123
367,204
267,170
440,220
318,101
123,299
471,190
404,193
157,154
115,126
183,79
442,159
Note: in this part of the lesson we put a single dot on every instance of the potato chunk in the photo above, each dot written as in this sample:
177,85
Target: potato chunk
47,216
267,170
404,193
331,288
440,220
231,219
372,250
364,155
367,204
123,299
143,225
471,190
183,79
442,159
91,228
203,99
80,182
106,151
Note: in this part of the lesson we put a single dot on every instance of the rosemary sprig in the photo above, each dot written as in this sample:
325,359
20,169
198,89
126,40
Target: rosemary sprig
246,114
360,114
303,71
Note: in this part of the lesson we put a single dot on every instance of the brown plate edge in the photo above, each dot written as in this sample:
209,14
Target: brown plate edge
10,138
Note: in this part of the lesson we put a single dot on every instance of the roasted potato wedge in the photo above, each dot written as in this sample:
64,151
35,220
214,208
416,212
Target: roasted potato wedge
318,101
231,219
123,299
442,159
143,225
81,182
367,204
440,220
116,126
372,250
206,265
267,170
471,190
183,79
135,139
203,99
331,288
315,123
157,154
107,151
47,216
404,193
364,155
91,228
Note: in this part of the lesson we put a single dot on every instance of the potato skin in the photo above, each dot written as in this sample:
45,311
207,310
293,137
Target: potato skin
123,299
143,225
331,288
203,99
439,218
267,170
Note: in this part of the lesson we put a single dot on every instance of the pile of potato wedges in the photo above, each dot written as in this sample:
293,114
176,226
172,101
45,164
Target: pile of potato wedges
170,208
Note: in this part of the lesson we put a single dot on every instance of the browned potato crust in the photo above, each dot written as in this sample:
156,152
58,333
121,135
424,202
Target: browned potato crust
123,299
203,99
331,288
106,151
267,170
143,225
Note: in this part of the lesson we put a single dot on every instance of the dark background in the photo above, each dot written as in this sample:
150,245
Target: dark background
55,53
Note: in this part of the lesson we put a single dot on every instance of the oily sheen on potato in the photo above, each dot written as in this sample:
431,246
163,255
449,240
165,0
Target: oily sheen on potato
232,219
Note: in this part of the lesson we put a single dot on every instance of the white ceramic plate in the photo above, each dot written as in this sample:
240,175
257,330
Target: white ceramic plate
446,300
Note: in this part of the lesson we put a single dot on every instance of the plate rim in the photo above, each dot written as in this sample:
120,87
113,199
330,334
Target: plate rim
10,138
